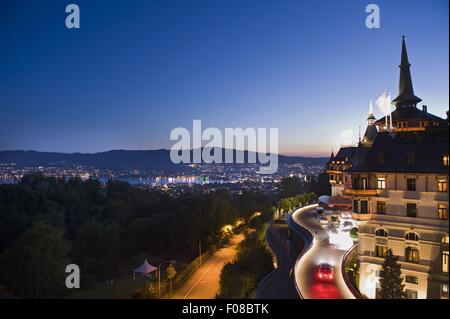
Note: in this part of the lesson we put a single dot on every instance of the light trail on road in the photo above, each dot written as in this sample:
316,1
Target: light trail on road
329,246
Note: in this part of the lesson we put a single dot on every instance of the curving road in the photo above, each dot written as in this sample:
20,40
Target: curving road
287,246
205,282
329,246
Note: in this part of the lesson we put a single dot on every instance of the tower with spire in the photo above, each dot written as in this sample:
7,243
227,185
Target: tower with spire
406,97
406,116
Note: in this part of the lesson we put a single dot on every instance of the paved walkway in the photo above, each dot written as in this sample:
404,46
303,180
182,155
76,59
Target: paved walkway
281,284
204,283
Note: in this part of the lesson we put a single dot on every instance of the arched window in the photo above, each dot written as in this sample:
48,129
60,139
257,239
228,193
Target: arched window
412,236
380,232
412,255
445,239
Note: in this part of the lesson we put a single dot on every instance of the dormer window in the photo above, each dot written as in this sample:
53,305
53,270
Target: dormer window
445,160
411,158
380,159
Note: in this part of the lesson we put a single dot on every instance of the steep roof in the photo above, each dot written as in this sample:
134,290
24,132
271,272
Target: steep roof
427,147
410,113
345,153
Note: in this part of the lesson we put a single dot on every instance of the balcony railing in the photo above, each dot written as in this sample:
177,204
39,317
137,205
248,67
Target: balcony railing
433,222
441,196
356,191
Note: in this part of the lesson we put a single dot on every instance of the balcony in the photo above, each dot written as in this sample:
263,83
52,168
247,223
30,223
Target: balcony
441,197
411,195
361,216
360,192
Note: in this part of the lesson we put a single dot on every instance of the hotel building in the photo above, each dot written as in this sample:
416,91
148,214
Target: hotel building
398,185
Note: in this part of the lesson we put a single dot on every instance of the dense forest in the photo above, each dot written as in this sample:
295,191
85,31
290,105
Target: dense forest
46,223
106,230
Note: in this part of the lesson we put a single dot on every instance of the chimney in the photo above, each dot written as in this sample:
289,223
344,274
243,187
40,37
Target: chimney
424,108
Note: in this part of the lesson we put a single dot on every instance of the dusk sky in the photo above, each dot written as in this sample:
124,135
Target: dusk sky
137,69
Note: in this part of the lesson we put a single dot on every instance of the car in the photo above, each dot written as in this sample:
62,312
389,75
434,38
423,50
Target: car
335,221
322,220
324,272
319,210
347,225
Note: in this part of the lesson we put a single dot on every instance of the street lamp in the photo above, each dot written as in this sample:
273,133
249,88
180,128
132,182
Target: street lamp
159,274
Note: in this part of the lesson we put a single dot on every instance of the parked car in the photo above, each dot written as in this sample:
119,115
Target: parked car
335,221
347,225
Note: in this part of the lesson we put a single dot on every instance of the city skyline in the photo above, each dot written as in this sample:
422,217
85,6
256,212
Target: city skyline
120,83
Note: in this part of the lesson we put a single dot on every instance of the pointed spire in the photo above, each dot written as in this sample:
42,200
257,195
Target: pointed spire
332,154
406,95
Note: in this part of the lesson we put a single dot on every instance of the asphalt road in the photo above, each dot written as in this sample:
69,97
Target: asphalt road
329,246
280,285
204,283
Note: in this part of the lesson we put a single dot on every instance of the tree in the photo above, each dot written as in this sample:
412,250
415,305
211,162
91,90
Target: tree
170,274
150,290
290,186
354,233
391,281
34,267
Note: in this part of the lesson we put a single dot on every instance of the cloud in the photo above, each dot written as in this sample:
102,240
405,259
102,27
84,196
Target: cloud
347,136
383,103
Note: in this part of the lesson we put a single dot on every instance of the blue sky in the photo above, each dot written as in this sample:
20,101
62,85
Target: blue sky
137,69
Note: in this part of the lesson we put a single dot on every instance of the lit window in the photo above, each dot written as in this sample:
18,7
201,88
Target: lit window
381,250
445,261
444,291
442,185
445,160
442,212
445,239
381,183
412,236
412,255
380,232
